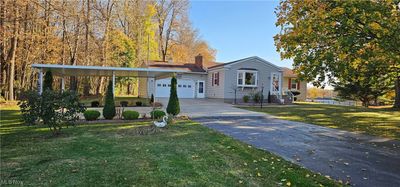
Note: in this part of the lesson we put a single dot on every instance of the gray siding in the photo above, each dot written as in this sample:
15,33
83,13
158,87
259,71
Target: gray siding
264,70
215,91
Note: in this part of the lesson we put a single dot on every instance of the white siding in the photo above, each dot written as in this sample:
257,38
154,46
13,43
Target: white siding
146,85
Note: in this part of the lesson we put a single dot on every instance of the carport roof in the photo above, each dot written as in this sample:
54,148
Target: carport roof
71,70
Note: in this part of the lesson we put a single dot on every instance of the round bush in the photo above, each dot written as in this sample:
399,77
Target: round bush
246,98
129,115
157,114
95,104
124,103
91,115
139,103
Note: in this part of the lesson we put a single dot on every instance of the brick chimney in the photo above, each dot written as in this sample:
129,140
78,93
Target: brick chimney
198,60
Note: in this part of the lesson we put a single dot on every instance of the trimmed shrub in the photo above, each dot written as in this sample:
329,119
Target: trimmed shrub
130,114
95,104
173,107
124,103
91,115
246,98
257,97
53,108
157,114
109,105
139,103
48,81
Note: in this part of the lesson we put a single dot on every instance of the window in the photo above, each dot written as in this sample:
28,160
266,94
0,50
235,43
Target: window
189,86
164,85
201,87
247,78
159,85
169,85
293,84
215,79
179,85
184,85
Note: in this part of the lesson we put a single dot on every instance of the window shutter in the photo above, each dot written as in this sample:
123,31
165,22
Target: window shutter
212,79
298,84
217,79
290,83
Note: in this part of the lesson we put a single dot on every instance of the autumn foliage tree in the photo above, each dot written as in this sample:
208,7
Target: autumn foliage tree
122,33
342,42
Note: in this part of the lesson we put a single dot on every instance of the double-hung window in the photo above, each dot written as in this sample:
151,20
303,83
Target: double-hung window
293,84
247,78
215,79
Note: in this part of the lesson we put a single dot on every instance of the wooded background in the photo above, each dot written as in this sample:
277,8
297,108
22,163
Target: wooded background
122,33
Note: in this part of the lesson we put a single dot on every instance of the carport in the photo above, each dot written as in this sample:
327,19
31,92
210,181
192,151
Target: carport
71,70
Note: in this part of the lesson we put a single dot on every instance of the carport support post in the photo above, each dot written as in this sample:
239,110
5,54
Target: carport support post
113,83
154,96
40,81
62,84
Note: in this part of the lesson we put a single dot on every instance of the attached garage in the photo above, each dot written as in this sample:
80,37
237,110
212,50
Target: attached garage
185,88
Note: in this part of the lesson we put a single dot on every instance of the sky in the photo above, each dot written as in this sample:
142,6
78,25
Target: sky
238,29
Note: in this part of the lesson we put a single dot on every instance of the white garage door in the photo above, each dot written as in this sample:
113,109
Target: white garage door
185,88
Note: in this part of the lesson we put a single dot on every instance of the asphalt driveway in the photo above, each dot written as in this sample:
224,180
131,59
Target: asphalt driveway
358,159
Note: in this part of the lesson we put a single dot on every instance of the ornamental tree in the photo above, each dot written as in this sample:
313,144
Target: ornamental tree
345,42
109,104
173,107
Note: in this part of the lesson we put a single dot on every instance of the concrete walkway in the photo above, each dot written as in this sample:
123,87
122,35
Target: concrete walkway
359,159
208,107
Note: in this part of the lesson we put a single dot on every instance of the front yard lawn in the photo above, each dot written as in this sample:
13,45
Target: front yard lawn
383,122
185,154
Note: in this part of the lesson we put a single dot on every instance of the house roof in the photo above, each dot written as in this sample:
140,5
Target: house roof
184,66
242,60
287,72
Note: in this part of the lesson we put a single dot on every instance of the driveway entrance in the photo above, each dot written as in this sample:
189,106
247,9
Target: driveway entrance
195,108
359,159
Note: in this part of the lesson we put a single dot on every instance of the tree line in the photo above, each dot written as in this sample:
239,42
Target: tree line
122,33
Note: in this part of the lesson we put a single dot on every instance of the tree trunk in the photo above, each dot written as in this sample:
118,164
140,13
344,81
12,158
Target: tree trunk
3,65
13,49
397,93
128,89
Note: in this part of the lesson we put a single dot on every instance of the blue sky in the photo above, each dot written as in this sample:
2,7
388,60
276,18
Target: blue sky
238,29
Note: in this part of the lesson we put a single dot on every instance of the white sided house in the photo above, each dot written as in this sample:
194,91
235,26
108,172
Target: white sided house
228,81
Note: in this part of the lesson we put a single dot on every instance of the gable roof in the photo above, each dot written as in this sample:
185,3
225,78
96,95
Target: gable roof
185,66
243,60
287,72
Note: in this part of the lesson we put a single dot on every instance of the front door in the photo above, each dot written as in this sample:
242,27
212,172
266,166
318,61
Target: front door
200,89
276,83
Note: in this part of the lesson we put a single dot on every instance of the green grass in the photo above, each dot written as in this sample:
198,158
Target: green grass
383,122
185,154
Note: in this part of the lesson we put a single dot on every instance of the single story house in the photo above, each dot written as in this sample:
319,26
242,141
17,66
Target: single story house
225,81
